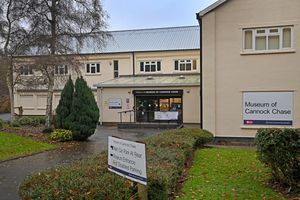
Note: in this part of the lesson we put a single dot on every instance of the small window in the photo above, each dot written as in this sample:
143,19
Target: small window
248,39
150,66
61,70
116,68
268,39
176,65
26,70
93,68
185,65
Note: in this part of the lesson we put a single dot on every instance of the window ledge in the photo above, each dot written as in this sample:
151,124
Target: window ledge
28,108
268,52
96,74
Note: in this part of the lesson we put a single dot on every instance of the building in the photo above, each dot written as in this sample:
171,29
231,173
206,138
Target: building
250,66
153,73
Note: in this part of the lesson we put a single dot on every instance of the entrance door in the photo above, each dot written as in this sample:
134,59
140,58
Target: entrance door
145,108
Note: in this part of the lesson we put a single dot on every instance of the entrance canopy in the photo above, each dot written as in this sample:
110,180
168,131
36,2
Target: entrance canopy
152,81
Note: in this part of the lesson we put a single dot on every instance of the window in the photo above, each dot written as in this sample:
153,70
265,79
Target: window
116,68
150,66
185,65
267,39
93,68
61,70
26,70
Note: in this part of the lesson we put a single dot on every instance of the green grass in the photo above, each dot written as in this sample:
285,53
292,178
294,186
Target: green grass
13,146
227,174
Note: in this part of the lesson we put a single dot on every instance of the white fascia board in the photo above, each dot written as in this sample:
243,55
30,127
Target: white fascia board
211,7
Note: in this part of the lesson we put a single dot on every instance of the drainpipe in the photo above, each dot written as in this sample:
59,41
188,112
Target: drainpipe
101,105
133,64
199,18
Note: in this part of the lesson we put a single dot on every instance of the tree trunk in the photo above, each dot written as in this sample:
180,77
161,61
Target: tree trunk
49,101
10,85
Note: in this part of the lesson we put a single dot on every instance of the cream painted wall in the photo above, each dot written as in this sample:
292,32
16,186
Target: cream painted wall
191,103
227,72
167,60
34,103
106,67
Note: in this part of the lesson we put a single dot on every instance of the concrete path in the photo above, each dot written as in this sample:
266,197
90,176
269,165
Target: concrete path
13,172
5,116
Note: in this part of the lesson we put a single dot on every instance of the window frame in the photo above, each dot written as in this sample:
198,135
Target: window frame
185,61
150,63
57,70
92,65
267,34
116,68
29,70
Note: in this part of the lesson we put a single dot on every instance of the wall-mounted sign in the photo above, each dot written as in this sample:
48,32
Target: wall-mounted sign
115,103
139,92
127,159
172,115
268,108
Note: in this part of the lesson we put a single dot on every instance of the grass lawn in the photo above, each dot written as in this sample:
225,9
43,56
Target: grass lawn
13,146
227,174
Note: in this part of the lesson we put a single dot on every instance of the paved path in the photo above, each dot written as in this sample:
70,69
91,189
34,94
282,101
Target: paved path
13,172
5,116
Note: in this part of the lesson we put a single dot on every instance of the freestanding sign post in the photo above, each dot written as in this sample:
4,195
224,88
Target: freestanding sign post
128,159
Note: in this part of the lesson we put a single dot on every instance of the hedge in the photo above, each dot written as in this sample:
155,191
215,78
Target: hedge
29,121
167,154
279,149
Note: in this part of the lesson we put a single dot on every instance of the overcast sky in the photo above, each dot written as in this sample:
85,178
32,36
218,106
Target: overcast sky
137,14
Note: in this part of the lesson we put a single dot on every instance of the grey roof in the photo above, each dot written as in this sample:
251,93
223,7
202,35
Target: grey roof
152,81
157,39
211,7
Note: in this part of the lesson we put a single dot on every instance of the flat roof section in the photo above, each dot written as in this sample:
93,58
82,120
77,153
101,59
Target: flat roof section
152,81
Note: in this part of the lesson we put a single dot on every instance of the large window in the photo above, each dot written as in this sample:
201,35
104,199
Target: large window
185,65
93,68
150,66
26,70
61,70
267,39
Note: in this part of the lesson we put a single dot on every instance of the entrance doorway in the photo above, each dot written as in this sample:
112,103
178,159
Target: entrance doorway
151,108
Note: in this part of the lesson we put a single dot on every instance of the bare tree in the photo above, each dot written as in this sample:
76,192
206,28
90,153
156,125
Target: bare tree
63,27
14,39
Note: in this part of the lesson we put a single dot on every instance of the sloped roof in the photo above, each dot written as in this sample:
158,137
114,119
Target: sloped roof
157,39
152,81
211,7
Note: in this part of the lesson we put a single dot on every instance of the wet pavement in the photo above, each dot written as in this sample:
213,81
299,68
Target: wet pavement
5,116
13,172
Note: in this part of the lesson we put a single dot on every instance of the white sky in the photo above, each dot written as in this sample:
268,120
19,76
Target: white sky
137,14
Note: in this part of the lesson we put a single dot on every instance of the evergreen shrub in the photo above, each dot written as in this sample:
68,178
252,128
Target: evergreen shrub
63,109
279,149
84,114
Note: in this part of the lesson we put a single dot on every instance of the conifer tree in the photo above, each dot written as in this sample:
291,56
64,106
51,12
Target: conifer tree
63,109
85,113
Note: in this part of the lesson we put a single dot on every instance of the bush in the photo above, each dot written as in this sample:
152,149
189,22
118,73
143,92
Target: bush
1,123
61,135
29,121
279,149
63,109
84,112
167,154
